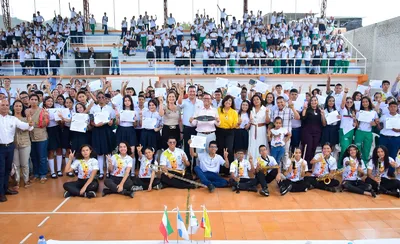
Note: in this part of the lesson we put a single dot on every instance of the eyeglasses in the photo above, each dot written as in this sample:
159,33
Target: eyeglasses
349,102
100,97
213,147
24,97
172,142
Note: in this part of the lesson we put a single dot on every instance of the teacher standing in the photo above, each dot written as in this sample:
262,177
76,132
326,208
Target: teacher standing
8,125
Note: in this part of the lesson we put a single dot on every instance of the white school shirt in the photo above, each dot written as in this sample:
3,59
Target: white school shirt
366,126
209,164
8,125
145,170
97,108
278,136
307,55
263,162
85,168
388,132
295,176
120,164
381,171
173,160
350,173
240,169
319,169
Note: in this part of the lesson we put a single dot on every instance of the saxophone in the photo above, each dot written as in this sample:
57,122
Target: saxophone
157,168
326,178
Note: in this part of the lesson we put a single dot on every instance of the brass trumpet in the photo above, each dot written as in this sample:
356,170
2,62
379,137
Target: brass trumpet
326,177
158,168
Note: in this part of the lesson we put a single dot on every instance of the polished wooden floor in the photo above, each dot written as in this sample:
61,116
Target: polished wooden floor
314,215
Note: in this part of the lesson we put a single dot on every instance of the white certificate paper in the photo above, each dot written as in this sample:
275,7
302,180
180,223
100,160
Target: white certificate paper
362,88
234,91
366,116
392,123
64,112
79,122
53,114
221,82
96,85
160,92
117,100
101,117
198,142
332,117
357,105
261,87
376,84
149,123
127,116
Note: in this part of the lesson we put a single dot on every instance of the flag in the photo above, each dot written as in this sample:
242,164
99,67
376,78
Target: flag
193,223
165,227
181,227
205,224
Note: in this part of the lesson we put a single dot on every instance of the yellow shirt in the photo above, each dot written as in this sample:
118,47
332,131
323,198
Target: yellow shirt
228,120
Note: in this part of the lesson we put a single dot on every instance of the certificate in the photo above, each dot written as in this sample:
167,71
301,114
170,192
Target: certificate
298,104
117,100
160,92
392,123
79,122
149,123
53,114
347,124
127,116
357,105
332,117
287,85
135,100
101,117
261,87
234,91
366,116
376,84
221,82
198,142
321,99
64,112
96,85
362,89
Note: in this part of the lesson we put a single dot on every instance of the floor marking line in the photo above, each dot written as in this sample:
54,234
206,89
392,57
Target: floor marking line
61,204
210,211
26,238
44,221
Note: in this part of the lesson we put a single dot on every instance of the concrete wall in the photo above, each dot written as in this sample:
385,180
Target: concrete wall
380,44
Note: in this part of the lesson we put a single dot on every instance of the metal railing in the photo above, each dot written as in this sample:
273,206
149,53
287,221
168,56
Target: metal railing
260,66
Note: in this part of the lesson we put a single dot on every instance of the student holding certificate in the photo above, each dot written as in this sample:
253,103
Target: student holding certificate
125,119
101,133
79,138
151,122
390,135
330,131
363,138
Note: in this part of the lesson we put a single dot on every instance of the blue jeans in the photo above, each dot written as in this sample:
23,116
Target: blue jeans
295,139
166,53
115,65
205,66
277,153
208,178
307,66
392,143
6,159
39,158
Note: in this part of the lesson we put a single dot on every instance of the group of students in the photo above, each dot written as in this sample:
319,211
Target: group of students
251,139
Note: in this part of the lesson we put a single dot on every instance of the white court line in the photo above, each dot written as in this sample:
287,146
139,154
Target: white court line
44,221
211,211
26,238
61,204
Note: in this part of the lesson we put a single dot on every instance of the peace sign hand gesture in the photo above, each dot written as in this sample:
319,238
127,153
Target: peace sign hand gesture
139,148
226,153
71,156
109,160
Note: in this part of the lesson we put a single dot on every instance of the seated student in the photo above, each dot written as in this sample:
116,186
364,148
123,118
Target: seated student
174,160
354,169
265,175
147,176
208,171
239,170
295,169
119,167
323,164
87,166
379,175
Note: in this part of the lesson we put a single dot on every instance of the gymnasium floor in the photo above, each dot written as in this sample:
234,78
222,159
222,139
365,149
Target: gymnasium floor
314,215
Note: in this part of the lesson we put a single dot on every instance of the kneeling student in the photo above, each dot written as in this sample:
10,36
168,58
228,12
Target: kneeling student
239,170
295,169
87,166
119,167
267,170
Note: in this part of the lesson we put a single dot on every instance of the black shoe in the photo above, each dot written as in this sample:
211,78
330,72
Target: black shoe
373,194
90,194
233,188
331,189
67,194
137,188
60,174
211,188
264,192
107,175
11,192
70,174
105,192
3,198
253,189
128,193
285,190
54,176
101,176
112,73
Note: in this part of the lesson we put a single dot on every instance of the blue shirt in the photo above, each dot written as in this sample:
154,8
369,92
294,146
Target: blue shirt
114,52
188,109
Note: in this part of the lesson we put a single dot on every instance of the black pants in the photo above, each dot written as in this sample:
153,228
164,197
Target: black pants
390,185
168,131
297,186
312,180
176,183
6,159
290,69
356,186
225,139
264,180
114,181
188,132
75,187
158,53
145,182
124,31
244,184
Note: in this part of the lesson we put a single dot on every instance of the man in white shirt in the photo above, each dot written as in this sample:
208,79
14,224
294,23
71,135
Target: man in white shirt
9,91
124,27
209,166
8,125
171,21
92,22
104,23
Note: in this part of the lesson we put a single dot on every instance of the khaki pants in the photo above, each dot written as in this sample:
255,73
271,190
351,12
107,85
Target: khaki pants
21,161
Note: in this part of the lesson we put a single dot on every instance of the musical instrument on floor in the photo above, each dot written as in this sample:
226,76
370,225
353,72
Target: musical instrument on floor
157,168
266,168
327,178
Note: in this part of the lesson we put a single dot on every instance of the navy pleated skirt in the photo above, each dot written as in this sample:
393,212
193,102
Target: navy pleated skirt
54,140
78,139
150,138
330,133
65,137
241,139
126,134
102,140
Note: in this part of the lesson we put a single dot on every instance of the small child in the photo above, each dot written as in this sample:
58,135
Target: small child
278,136
239,170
